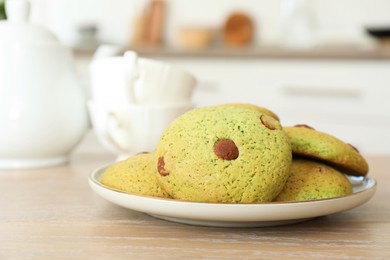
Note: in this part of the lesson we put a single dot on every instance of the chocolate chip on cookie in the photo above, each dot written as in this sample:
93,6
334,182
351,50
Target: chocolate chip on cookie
226,149
304,125
266,123
161,167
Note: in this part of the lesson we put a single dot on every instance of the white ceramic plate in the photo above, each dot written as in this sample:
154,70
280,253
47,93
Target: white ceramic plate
234,215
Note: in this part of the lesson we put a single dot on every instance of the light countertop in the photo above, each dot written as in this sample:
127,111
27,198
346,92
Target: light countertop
52,213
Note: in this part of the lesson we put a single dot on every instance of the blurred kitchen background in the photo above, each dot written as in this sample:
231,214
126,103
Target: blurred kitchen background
314,62
118,21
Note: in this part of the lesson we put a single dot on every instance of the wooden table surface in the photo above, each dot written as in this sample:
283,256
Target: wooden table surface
52,213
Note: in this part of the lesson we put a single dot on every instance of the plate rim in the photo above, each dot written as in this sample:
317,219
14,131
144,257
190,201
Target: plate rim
241,211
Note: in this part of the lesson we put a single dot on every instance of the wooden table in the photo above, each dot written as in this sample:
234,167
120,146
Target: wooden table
53,214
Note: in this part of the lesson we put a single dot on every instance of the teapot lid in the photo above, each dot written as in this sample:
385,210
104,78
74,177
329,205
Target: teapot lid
17,30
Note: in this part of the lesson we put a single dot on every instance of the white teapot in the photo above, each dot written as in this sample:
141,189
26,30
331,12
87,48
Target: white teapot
43,113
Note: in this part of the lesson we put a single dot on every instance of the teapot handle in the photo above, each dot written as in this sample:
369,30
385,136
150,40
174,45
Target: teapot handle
17,10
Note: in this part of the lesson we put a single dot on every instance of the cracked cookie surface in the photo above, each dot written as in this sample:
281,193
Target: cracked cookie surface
223,154
310,143
311,180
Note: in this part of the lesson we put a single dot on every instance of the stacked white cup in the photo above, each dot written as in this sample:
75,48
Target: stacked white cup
134,99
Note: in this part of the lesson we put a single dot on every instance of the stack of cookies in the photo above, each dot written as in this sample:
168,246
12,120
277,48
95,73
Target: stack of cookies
239,153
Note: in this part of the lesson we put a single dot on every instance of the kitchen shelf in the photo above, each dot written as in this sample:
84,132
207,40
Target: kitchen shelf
270,52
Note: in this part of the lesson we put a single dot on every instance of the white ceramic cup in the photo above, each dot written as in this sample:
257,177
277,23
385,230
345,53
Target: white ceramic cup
132,129
123,80
108,82
160,83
